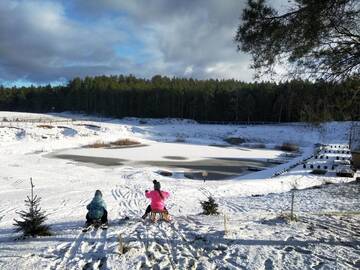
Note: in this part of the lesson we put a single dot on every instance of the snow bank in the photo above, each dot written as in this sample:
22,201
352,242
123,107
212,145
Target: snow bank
256,238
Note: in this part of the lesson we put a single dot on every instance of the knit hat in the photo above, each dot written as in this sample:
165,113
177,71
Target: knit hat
98,193
157,185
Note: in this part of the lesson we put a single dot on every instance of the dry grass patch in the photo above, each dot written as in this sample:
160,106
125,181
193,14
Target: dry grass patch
234,140
179,140
45,126
288,147
88,126
122,142
98,144
287,217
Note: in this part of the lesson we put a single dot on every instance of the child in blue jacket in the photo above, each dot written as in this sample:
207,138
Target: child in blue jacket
96,209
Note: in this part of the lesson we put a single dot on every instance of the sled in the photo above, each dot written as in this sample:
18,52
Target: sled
96,224
164,215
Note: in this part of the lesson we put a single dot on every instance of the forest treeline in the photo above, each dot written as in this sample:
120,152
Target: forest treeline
203,100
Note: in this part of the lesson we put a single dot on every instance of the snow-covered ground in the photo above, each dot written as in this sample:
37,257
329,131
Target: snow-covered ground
255,238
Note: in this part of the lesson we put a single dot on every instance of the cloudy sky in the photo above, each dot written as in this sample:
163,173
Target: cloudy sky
51,41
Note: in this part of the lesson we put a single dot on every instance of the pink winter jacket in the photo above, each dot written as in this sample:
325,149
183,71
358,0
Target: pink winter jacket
157,203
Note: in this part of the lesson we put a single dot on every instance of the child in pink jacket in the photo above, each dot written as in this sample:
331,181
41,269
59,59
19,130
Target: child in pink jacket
157,197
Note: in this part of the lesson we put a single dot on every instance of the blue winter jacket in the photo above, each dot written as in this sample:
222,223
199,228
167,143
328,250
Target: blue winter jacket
96,207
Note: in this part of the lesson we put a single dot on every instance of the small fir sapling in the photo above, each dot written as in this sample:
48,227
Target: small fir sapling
210,207
32,219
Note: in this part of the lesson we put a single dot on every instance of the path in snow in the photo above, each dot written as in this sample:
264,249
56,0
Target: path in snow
255,239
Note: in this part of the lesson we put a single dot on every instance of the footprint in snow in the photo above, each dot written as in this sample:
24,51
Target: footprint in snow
303,251
318,266
88,266
269,264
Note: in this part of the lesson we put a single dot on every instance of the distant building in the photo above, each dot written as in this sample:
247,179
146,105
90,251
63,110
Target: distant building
355,145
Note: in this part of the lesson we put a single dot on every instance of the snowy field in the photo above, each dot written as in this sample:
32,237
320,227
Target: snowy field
248,234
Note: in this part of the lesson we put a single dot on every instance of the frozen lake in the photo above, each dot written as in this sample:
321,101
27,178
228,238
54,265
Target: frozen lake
220,163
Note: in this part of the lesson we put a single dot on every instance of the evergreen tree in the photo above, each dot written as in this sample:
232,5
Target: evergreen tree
318,38
33,219
202,100
210,207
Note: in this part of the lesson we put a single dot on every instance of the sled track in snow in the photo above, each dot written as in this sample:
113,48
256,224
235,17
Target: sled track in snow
345,226
88,250
230,207
130,200
162,244
175,246
205,192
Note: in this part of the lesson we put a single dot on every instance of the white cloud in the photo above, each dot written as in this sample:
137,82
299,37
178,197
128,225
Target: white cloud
47,41
193,33
40,43
188,70
228,70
